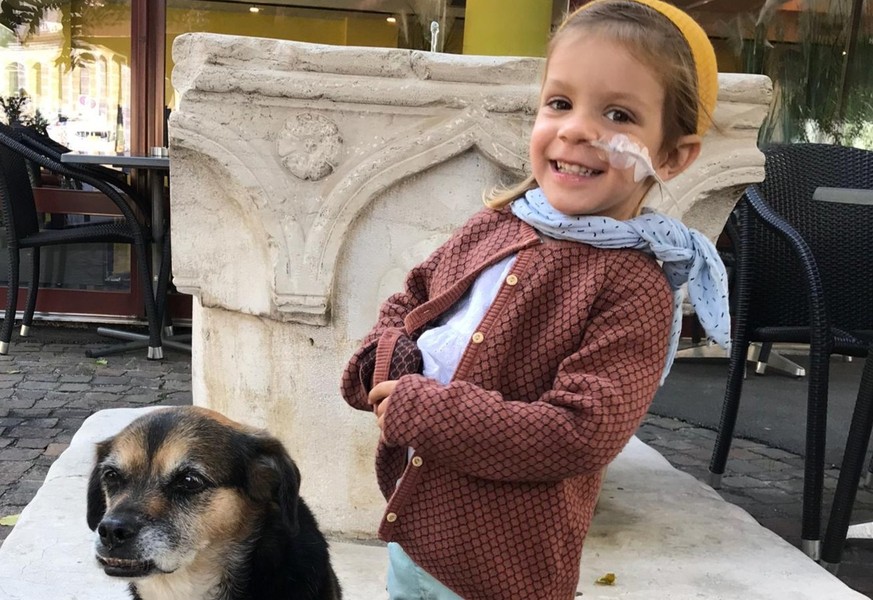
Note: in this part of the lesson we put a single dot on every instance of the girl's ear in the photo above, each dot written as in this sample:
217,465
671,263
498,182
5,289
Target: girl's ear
680,158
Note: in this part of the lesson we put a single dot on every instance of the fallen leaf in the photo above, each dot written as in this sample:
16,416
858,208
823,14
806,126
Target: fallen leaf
102,362
608,579
15,372
9,521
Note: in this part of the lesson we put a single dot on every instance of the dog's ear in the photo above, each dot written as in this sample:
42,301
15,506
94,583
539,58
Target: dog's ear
277,479
96,499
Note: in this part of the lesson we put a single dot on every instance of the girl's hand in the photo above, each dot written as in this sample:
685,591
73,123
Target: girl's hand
380,399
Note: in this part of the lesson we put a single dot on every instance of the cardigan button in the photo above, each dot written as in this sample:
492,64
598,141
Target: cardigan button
478,338
391,517
416,461
511,280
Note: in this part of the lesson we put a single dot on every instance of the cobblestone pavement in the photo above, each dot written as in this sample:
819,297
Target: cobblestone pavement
48,388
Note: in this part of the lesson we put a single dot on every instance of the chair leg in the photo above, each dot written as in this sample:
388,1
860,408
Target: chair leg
163,288
813,477
763,357
30,305
850,473
11,301
729,410
868,480
155,351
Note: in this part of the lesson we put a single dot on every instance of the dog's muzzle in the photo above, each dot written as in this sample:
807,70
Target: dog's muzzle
117,549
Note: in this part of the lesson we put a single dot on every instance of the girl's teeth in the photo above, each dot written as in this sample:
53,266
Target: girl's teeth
575,169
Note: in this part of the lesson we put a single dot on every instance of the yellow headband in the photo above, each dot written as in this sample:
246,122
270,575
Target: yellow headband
701,51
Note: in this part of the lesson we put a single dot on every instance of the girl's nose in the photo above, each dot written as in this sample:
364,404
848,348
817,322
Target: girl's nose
577,130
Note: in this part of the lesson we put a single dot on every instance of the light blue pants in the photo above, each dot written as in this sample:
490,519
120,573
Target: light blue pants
408,581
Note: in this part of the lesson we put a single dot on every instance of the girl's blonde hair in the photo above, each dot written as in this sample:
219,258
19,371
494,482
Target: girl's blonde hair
655,41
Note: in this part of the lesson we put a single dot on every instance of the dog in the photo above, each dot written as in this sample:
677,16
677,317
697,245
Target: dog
187,504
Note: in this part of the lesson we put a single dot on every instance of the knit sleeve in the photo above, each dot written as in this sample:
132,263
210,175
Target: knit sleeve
599,396
357,376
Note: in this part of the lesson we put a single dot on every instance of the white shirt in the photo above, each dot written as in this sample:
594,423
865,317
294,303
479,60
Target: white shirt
443,345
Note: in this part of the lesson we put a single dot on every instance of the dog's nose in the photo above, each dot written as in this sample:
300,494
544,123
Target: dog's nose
115,531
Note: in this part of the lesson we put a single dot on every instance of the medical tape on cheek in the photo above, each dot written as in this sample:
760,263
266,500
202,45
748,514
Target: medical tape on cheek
623,153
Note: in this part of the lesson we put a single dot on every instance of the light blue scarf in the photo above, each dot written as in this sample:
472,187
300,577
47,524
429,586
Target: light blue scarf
687,256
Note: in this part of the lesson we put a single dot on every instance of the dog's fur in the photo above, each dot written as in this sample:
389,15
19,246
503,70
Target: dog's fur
187,504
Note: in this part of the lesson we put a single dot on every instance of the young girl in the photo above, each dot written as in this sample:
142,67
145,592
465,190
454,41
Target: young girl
525,351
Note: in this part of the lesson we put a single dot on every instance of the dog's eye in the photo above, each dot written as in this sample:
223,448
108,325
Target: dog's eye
189,483
111,477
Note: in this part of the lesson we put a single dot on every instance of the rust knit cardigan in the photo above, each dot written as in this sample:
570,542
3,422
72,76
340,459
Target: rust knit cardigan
498,497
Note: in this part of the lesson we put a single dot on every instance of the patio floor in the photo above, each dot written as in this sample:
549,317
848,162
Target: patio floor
48,388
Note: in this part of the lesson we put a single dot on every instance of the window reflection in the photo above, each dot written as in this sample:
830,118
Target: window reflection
60,58
375,23
69,64
816,52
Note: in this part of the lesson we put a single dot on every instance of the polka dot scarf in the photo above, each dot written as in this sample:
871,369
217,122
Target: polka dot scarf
687,256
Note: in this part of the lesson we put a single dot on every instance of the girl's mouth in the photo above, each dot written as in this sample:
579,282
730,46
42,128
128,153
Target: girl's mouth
571,169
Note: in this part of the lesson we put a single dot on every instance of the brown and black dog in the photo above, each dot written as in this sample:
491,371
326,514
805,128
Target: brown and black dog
189,504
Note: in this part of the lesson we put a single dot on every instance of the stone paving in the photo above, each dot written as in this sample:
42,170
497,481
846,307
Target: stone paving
48,388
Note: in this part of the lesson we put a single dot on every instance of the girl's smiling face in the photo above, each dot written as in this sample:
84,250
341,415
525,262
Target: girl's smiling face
594,89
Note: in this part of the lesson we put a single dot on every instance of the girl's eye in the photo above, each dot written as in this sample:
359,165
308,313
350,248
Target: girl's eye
558,104
619,116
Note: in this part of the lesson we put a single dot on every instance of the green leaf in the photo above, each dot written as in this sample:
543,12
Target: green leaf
102,362
9,521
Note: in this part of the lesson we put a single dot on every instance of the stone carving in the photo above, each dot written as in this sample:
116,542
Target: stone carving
310,146
401,113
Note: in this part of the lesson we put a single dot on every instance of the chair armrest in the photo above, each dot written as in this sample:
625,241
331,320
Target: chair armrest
819,321
53,150
59,201
11,139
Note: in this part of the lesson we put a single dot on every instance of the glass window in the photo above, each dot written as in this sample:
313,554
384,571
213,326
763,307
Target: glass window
381,23
817,53
60,57
16,79
67,69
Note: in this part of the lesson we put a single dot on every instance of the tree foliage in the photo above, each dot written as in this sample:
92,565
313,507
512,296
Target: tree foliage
15,109
822,93
24,18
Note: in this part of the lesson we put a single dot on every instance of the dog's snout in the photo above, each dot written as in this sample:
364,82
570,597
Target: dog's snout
115,531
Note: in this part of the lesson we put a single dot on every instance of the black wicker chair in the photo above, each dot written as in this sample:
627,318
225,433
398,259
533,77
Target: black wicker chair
22,227
53,150
803,276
